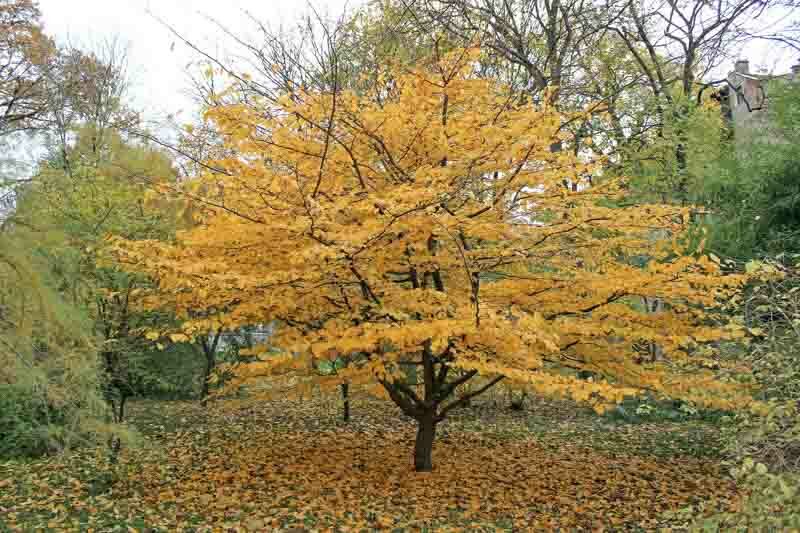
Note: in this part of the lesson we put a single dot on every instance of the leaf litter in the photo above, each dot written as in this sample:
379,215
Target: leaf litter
294,466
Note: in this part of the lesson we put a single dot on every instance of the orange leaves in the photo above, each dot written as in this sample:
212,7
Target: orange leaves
287,465
179,337
360,478
429,209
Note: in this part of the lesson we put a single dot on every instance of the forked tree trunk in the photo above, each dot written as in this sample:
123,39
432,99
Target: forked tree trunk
433,407
423,448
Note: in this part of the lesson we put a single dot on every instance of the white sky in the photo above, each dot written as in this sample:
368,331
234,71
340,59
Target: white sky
158,72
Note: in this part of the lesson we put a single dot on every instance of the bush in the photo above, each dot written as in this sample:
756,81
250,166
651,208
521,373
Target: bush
648,409
753,189
34,423
49,374
27,423
764,446
772,437
772,502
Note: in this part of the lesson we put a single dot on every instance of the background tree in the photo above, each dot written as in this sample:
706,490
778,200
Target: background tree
644,61
92,182
53,387
27,56
539,41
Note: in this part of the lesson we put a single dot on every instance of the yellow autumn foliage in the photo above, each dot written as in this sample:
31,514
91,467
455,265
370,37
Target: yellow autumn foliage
432,218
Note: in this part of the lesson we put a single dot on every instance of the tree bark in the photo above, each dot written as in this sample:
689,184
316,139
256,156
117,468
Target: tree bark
423,448
206,374
345,401
209,347
121,414
118,416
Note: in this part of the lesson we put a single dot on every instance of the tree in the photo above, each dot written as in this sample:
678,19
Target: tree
89,187
26,58
536,44
675,46
426,224
52,221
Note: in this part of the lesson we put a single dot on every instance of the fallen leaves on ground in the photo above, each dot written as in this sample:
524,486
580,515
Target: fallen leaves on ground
284,466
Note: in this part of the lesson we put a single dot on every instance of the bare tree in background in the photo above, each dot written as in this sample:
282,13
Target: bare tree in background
682,41
88,91
539,41
27,56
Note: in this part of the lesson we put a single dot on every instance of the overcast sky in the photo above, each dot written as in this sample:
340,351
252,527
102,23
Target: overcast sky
158,71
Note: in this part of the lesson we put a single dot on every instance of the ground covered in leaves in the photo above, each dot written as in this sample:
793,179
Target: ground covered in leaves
294,466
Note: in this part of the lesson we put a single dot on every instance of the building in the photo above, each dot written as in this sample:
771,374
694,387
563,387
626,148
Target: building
744,97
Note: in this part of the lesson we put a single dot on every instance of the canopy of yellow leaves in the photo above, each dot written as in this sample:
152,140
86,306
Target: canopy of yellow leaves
434,209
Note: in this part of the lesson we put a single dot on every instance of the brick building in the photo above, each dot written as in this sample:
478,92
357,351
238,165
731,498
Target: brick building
744,98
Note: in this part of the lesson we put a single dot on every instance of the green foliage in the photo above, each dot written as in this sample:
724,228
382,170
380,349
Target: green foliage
69,331
754,189
97,187
648,410
671,163
29,424
764,447
48,367
754,194
172,373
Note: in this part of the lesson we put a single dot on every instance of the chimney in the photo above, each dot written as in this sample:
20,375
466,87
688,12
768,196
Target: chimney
742,66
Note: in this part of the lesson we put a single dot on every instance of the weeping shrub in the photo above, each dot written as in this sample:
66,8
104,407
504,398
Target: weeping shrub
50,395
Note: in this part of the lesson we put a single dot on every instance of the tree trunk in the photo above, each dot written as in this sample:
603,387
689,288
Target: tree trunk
423,449
118,416
121,415
206,374
345,402
209,347
653,305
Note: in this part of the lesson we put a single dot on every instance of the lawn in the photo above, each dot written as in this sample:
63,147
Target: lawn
295,466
